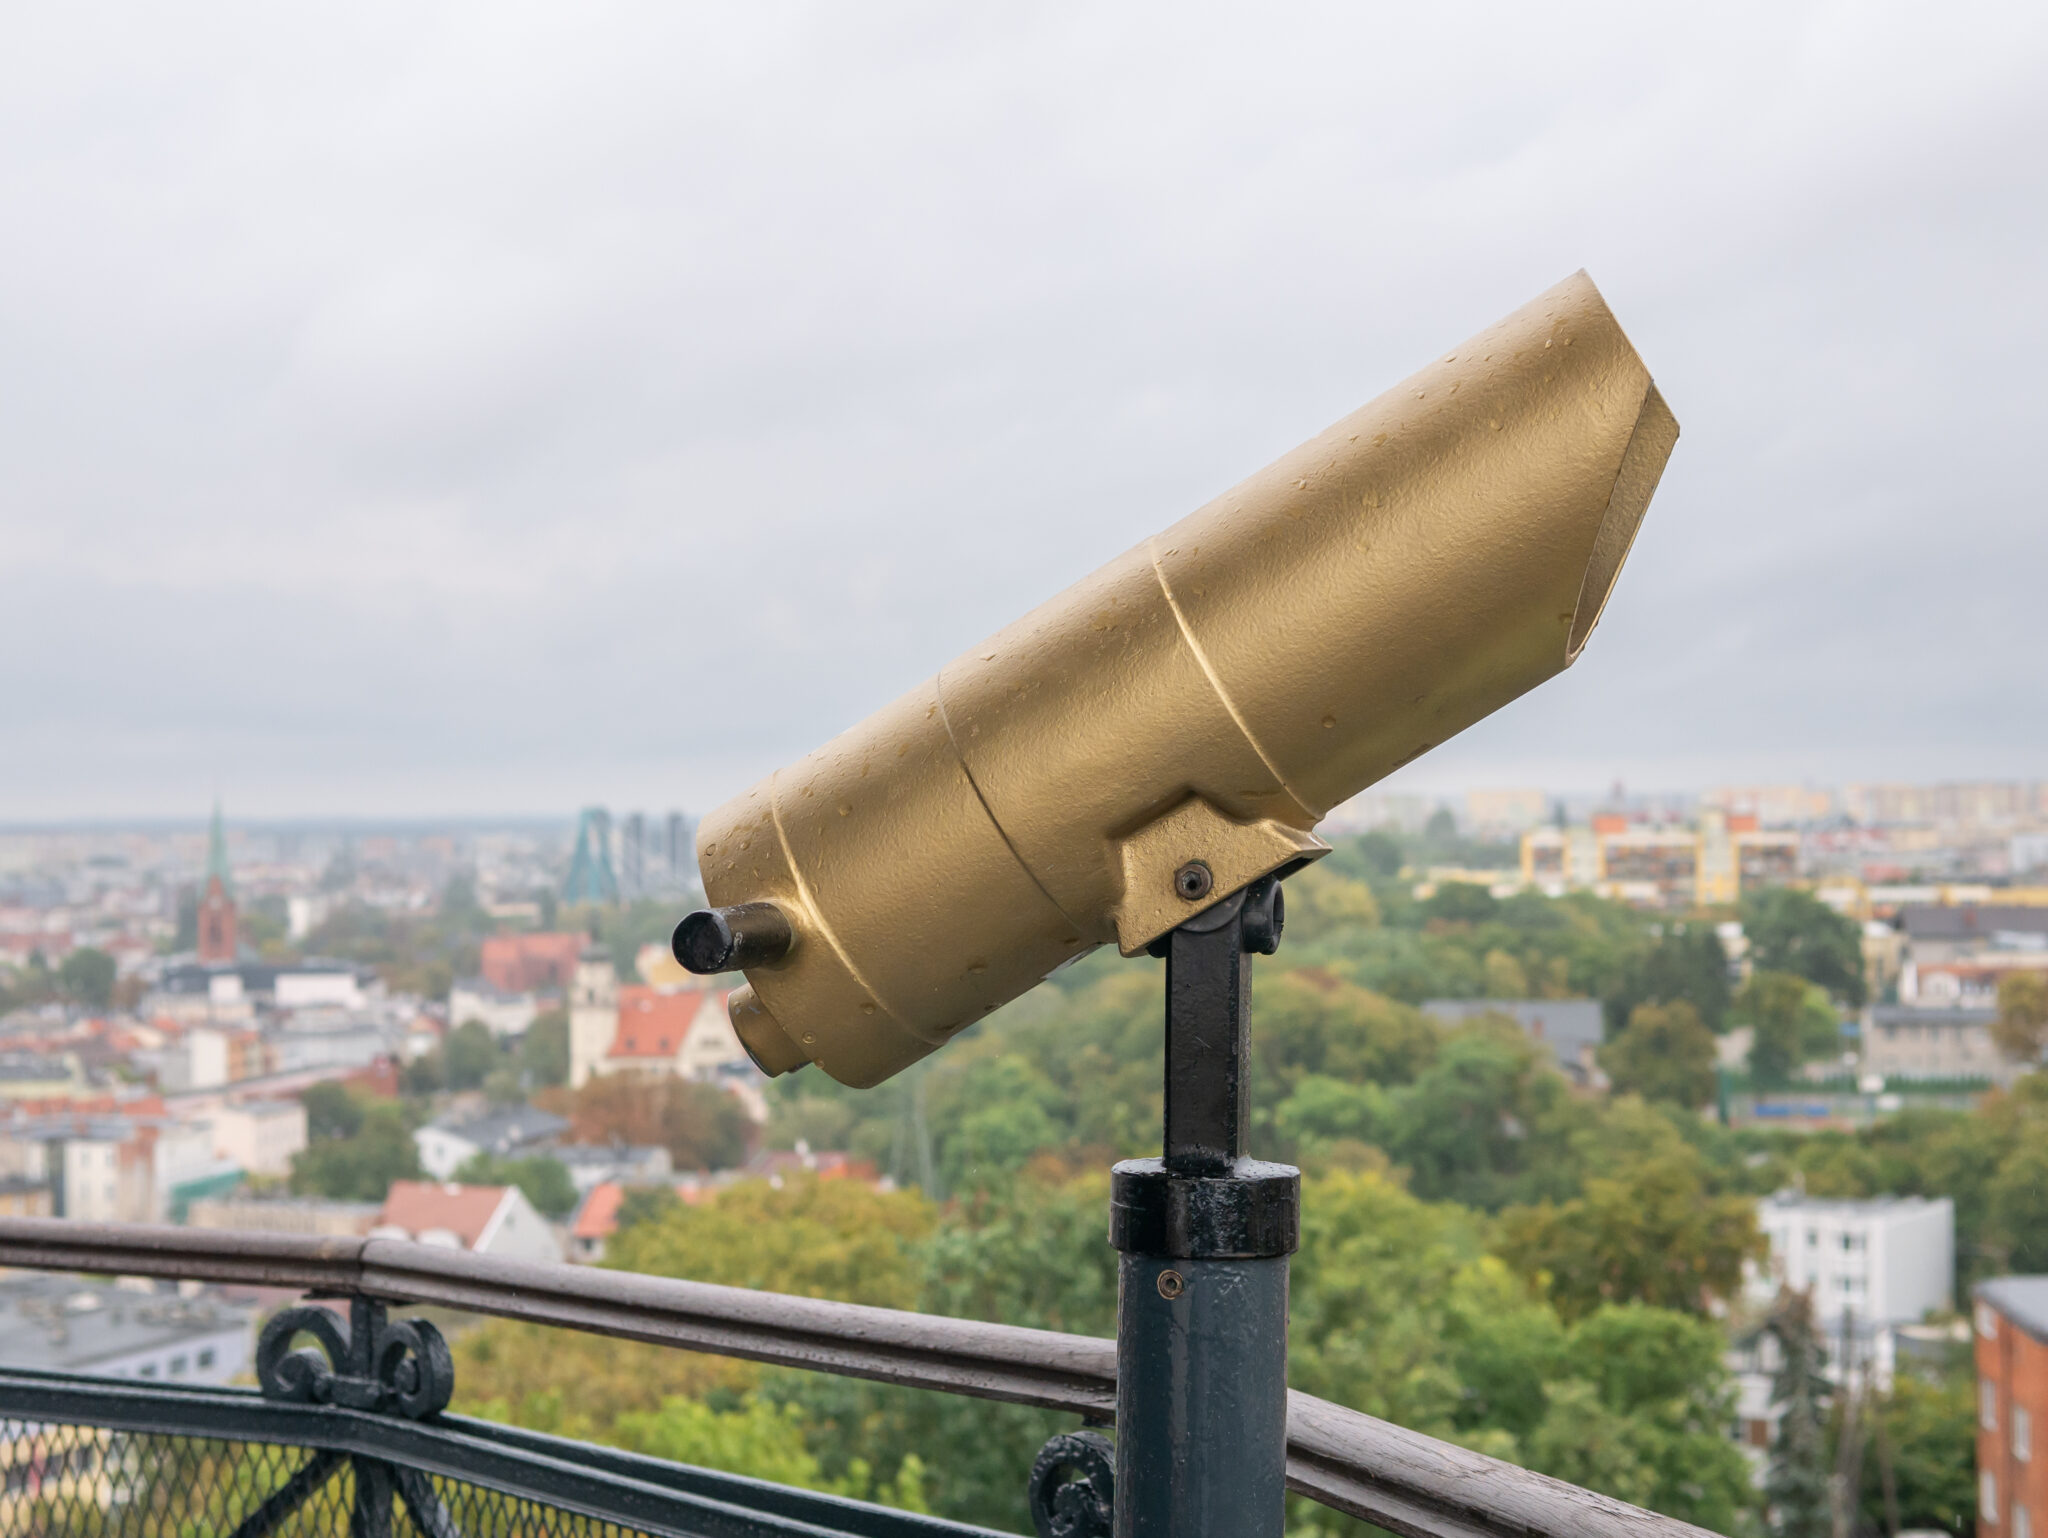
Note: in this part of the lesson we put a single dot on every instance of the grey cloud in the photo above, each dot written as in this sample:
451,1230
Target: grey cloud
472,408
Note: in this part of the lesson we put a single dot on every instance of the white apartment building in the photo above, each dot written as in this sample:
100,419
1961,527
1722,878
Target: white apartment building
1873,1268
260,1135
501,1013
1882,1262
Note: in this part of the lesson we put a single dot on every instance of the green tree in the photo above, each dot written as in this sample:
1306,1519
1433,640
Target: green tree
362,1167
1322,905
1650,1234
1036,1256
87,975
761,1440
700,1125
815,1238
1505,976
469,1054
1324,1113
1794,931
1464,1128
545,1181
544,1049
1665,1054
1927,1432
1311,1021
1461,902
2018,1201
1793,1022
1380,852
1796,1479
1010,1118
426,1074
332,1110
1646,1419
1687,962
2021,1029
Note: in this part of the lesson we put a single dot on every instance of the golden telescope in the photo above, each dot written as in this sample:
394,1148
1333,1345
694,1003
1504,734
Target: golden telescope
1172,727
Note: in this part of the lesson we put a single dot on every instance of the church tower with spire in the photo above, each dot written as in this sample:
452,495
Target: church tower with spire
218,941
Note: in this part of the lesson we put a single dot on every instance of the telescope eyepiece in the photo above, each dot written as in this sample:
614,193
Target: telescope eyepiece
731,939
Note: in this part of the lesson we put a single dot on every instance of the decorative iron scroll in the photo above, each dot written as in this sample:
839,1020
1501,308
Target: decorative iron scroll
370,1364
1073,1486
367,1364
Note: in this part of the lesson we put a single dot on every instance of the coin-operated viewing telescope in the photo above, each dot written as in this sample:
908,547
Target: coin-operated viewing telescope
1139,761
1172,727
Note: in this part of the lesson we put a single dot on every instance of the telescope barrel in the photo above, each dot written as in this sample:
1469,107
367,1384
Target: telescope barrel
1172,727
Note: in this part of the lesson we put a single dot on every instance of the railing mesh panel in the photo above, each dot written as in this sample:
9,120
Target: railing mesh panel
79,1480
475,1512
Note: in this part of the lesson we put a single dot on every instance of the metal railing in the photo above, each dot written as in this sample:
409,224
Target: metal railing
367,1408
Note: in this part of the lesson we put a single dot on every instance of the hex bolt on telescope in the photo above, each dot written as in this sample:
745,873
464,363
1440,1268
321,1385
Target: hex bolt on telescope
1139,761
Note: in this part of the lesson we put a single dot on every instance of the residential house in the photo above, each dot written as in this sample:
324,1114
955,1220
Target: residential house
259,1135
592,1164
23,1196
499,1012
651,1032
40,1075
73,1324
487,1220
1911,1041
683,1034
509,1132
595,1220
531,963
1956,954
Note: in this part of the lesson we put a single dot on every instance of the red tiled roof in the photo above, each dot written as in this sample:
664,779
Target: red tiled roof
653,1023
598,1217
519,963
419,1205
826,1166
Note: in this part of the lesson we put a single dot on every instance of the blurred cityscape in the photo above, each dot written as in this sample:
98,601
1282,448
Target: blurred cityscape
475,1036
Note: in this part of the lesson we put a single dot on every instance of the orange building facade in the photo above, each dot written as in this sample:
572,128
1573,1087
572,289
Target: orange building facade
2011,1330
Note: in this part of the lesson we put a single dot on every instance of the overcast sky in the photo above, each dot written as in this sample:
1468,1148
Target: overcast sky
416,408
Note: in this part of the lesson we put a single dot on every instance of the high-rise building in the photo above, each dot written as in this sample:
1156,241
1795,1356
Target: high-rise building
218,932
679,849
633,855
591,878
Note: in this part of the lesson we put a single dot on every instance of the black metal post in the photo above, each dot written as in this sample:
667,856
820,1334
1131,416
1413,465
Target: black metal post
1205,1232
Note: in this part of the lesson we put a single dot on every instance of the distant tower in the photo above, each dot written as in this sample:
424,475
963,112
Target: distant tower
217,928
593,1015
633,855
681,857
590,869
